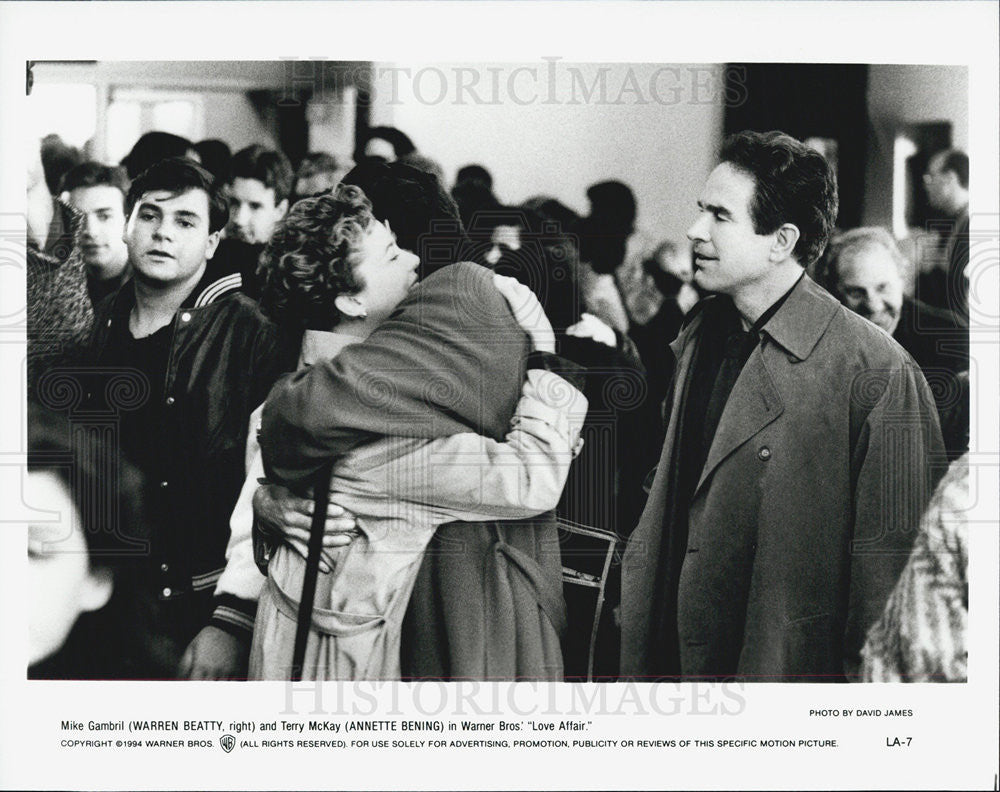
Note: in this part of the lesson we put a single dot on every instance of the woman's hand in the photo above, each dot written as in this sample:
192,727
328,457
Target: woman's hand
281,516
527,312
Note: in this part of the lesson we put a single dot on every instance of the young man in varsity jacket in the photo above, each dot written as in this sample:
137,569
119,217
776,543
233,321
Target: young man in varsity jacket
184,361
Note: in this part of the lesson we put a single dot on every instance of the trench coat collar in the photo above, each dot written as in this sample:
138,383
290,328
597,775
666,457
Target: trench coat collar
755,402
800,322
796,327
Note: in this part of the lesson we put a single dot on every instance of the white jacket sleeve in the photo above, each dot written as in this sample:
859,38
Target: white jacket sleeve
241,578
473,478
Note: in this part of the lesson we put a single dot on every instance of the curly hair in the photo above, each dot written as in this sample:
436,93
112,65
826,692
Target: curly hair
794,184
310,259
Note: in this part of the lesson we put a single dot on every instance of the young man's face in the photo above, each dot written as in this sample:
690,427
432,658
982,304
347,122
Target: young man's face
102,245
168,237
253,214
729,254
869,283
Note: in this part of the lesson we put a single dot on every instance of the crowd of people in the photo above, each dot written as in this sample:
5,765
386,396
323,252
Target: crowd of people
338,423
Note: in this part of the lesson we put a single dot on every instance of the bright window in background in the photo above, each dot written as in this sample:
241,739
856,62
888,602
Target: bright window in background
132,113
903,148
69,111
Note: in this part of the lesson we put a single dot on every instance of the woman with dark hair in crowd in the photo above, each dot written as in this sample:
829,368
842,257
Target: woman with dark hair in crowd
412,458
88,616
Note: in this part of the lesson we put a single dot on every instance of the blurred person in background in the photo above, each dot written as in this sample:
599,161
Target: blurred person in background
51,223
258,189
922,634
318,172
258,194
155,146
473,192
384,143
216,157
59,313
98,192
667,273
89,615
609,243
947,185
57,159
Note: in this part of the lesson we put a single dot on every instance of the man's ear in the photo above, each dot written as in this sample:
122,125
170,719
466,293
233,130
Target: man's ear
283,207
96,589
350,306
213,243
785,240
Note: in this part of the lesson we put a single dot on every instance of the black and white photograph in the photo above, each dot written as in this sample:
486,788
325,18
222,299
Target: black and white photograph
371,380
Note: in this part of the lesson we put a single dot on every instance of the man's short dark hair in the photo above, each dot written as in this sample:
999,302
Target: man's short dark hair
179,175
271,168
95,174
153,147
474,173
420,212
399,140
957,162
793,184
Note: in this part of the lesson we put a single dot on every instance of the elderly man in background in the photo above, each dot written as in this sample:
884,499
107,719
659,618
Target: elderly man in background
863,270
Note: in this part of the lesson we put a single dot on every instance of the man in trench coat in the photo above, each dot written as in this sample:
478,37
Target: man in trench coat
799,453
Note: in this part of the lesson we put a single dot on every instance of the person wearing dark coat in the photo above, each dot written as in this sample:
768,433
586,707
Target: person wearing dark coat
180,367
947,184
801,443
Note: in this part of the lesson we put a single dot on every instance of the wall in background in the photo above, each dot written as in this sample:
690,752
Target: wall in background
554,128
907,94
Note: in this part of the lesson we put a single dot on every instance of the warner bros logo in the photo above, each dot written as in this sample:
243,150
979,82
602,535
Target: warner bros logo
227,742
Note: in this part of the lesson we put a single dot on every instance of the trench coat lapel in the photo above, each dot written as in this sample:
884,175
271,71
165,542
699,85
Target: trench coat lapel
753,404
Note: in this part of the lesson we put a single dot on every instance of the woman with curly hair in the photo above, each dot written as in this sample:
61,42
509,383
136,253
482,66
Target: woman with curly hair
418,393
